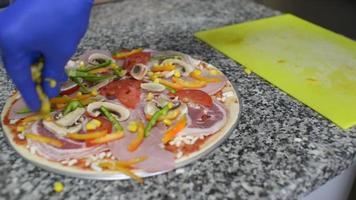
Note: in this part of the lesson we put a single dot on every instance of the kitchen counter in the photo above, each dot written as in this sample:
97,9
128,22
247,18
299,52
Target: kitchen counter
280,149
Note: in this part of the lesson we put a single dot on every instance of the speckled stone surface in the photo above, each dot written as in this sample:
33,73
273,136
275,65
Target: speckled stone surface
280,149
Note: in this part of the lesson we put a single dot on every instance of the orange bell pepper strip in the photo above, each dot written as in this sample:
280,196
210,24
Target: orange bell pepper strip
170,84
162,68
44,139
105,139
133,146
87,136
65,99
31,118
196,74
189,84
121,55
172,132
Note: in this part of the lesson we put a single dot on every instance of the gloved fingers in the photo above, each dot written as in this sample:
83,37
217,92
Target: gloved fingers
53,73
19,70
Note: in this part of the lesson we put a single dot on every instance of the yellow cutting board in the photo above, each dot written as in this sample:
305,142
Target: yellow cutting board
312,64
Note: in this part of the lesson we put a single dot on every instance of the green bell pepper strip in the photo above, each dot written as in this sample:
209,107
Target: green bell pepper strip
154,119
82,87
24,110
171,90
119,72
87,76
71,106
101,65
111,118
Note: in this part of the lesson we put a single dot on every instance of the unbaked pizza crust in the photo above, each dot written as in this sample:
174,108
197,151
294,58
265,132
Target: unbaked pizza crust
231,104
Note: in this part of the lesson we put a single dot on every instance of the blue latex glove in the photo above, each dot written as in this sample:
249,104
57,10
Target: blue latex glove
30,29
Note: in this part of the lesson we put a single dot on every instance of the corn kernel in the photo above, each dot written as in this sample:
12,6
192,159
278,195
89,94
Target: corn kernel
170,105
58,186
177,73
94,92
20,128
81,64
150,73
197,72
167,122
156,80
248,71
132,127
150,96
93,124
114,65
214,72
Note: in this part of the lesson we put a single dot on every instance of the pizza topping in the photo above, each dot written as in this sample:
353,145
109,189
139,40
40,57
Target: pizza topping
122,113
126,91
153,87
186,68
155,117
125,54
172,132
133,59
195,96
70,118
189,83
60,130
44,139
139,138
138,71
204,120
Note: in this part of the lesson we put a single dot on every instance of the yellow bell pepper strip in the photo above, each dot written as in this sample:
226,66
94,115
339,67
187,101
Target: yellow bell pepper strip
87,136
133,146
105,139
162,68
71,106
30,119
122,55
111,118
196,74
172,132
155,117
44,139
189,84
170,84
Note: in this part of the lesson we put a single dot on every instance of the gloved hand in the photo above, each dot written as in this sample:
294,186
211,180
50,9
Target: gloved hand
51,29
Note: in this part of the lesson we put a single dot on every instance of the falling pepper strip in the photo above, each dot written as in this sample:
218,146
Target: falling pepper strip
172,132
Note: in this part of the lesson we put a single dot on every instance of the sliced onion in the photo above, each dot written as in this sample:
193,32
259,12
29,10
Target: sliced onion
153,87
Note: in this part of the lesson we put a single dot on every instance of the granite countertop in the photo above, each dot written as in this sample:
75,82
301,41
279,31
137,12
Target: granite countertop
280,148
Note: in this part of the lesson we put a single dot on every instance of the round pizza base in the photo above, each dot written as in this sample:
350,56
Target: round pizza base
232,105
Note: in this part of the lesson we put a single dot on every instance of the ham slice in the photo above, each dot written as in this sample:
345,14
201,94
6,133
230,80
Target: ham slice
158,159
70,150
203,120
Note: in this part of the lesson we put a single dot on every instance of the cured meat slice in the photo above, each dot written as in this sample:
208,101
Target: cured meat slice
70,150
38,128
203,120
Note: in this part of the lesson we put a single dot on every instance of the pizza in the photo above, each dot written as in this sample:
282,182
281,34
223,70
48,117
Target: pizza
134,113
